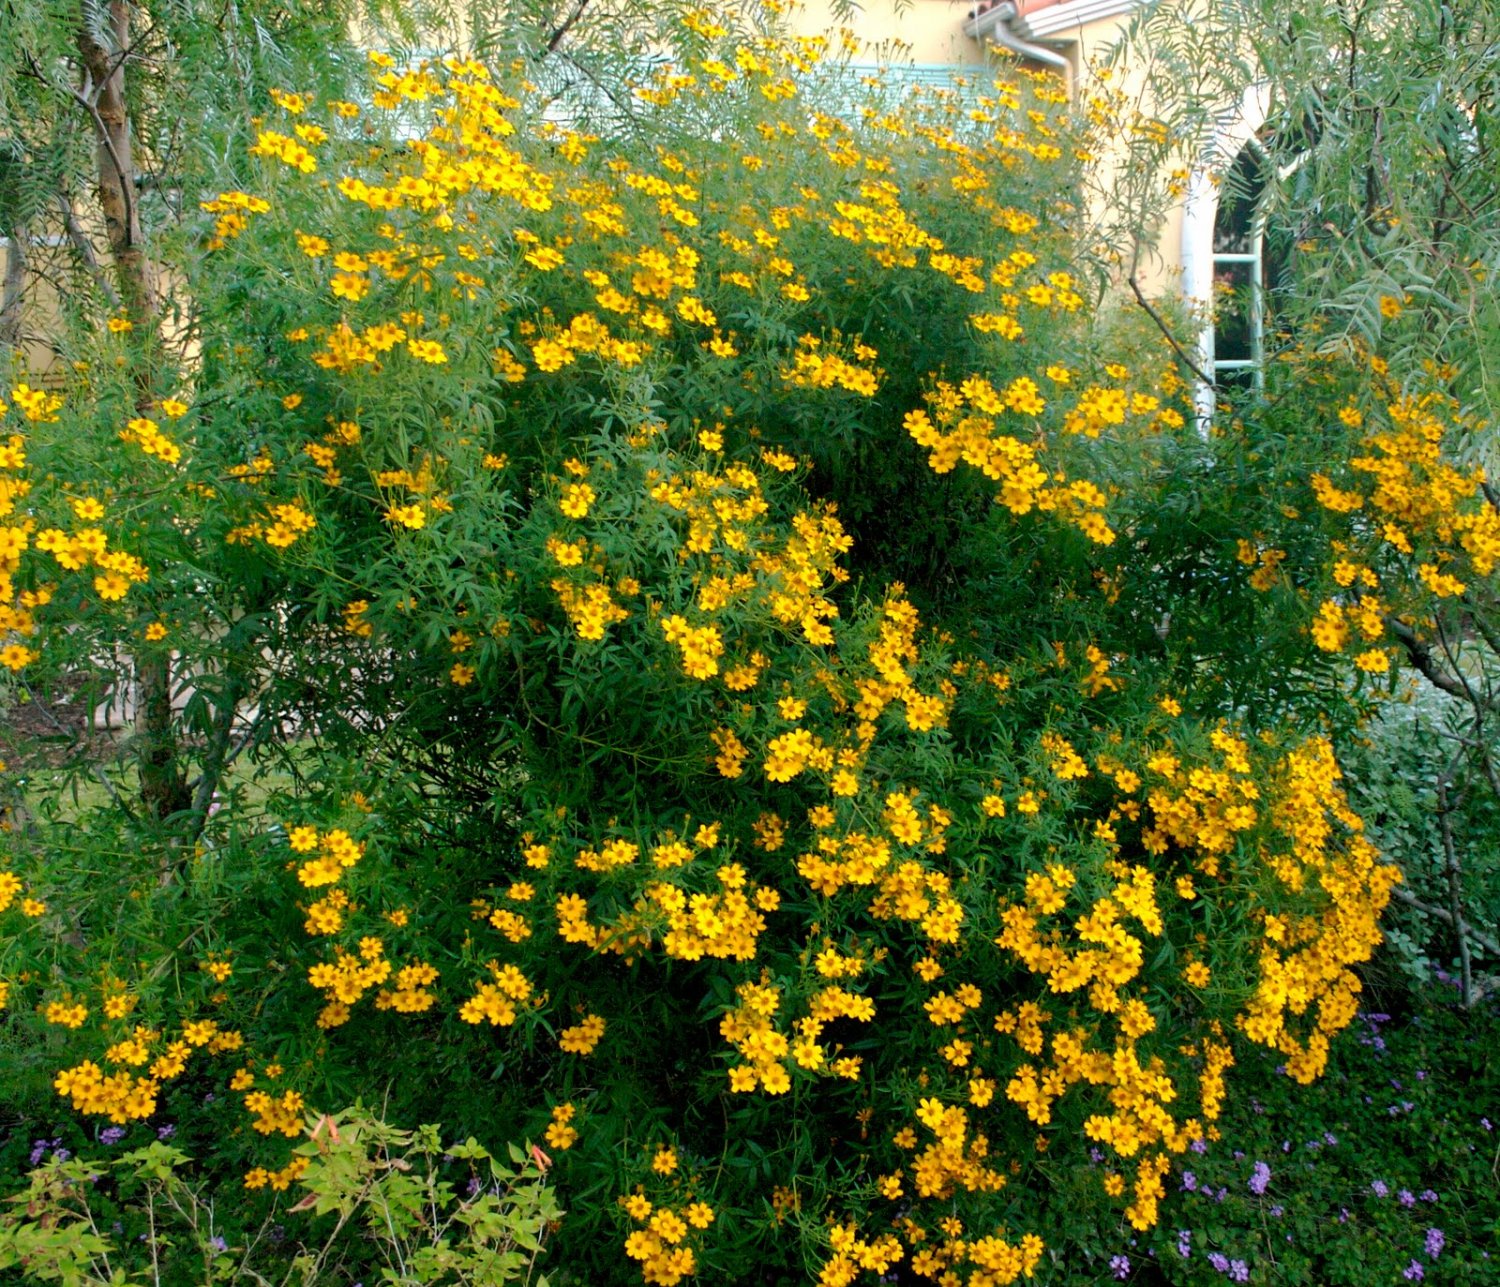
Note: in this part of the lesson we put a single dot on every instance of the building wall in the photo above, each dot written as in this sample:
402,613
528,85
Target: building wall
928,32
921,31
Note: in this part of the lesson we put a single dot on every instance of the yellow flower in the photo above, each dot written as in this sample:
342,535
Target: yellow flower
17,656
410,516
576,499
582,1037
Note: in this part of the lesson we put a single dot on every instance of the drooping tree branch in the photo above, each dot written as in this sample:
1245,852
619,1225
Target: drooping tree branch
1419,654
85,250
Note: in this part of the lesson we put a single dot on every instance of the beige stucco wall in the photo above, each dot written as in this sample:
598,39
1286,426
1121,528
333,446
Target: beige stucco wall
920,31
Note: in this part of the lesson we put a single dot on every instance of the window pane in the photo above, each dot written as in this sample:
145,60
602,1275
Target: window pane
1232,316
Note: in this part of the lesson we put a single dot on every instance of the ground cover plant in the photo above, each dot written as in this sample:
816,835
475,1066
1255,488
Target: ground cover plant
741,660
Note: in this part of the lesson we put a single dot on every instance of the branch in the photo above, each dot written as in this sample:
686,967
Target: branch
1166,331
1443,914
1455,896
560,34
1420,656
85,249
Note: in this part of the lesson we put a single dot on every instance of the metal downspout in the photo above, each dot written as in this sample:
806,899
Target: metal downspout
1007,39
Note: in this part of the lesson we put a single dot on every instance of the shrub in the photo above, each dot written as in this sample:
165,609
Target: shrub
700,590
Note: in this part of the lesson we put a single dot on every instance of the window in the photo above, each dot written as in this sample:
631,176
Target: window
1224,265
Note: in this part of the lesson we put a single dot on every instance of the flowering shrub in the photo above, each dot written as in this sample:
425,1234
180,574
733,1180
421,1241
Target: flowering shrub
692,583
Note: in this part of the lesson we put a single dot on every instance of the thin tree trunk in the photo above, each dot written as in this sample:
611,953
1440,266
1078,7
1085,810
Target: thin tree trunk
164,789
14,287
1456,897
115,164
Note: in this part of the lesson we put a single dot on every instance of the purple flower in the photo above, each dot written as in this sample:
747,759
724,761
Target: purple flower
1428,1195
1184,1243
1219,1261
1200,1145
1189,1182
1239,1271
1330,1137
1407,1198
1434,1244
1343,1215
1379,1188
39,1150
218,1243
1278,1211
1414,1272
1485,1122
166,1132
111,1135
1260,1178
1121,1266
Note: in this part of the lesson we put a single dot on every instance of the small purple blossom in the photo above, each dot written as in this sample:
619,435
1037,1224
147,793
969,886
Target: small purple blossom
1219,1261
1278,1211
218,1243
1380,1188
1189,1182
1121,1266
1428,1195
166,1132
1200,1145
1414,1272
39,1150
1239,1271
1330,1138
111,1135
1184,1243
1260,1178
1436,1239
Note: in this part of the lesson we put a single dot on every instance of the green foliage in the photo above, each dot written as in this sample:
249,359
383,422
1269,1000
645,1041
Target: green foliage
369,1200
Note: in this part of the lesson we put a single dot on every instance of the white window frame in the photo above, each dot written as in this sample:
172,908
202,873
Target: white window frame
1232,133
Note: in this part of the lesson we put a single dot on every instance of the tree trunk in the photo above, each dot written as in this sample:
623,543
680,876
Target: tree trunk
115,163
12,290
164,789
